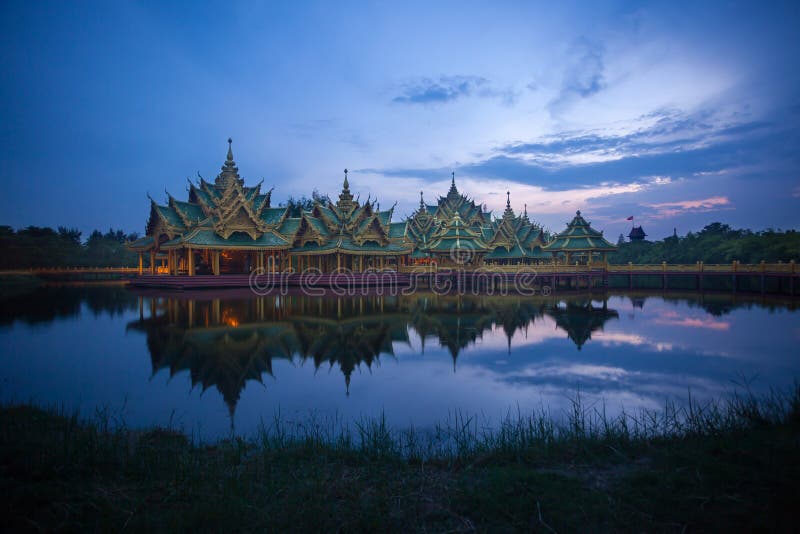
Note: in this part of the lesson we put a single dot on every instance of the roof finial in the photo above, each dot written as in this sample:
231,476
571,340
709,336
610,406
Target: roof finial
453,191
230,149
421,202
578,213
508,199
525,211
346,184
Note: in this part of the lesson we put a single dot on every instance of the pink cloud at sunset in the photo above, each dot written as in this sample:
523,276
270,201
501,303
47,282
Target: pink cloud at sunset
671,209
673,319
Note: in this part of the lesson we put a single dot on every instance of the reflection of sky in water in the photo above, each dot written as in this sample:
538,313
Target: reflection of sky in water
633,353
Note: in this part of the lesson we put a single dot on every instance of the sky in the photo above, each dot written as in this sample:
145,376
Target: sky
677,113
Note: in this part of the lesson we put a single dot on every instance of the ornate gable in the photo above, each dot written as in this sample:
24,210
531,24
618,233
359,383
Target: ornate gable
370,230
310,229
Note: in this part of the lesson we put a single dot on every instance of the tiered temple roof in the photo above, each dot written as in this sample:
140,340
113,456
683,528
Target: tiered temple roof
516,237
349,227
228,215
579,237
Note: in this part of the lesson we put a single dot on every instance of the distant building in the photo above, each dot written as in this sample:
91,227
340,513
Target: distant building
637,234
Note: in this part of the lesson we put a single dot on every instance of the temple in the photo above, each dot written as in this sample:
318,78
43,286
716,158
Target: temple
227,227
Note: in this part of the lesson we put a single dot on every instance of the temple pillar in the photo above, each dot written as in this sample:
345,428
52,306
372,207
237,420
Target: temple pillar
190,258
153,261
141,264
215,262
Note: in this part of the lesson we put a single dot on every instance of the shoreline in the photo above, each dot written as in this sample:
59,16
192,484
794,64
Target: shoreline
729,465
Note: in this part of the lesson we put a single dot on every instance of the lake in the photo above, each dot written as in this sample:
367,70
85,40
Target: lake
209,362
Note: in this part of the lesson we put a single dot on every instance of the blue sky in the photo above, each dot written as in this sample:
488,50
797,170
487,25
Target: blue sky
677,113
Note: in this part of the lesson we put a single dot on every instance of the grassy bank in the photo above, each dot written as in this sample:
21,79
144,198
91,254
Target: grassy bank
729,465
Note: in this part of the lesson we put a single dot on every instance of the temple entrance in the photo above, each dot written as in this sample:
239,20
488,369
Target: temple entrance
236,262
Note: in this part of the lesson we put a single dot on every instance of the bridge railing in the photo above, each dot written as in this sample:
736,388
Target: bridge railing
657,268
547,268
699,267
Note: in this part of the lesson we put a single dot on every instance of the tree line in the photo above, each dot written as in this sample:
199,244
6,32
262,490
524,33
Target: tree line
715,243
36,246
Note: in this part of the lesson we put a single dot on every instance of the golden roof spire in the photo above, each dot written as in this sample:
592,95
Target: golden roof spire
230,173
509,213
453,191
345,202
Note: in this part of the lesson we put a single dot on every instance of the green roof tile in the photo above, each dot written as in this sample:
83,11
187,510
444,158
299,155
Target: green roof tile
209,238
289,226
397,229
143,243
272,216
169,215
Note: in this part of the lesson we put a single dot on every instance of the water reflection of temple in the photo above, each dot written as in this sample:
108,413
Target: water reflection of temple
224,343
580,318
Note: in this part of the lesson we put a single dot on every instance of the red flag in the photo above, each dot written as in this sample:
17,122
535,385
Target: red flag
629,218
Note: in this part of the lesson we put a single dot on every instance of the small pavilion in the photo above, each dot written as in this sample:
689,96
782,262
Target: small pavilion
579,243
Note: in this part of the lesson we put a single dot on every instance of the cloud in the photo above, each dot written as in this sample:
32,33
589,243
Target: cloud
449,89
583,78
671,209
547,204
672,318
666,143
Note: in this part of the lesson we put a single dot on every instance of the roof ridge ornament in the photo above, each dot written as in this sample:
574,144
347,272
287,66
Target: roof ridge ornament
345,203
508,213
230,172
453,190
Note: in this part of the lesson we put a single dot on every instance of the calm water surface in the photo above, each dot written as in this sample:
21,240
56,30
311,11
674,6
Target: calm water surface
203,364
